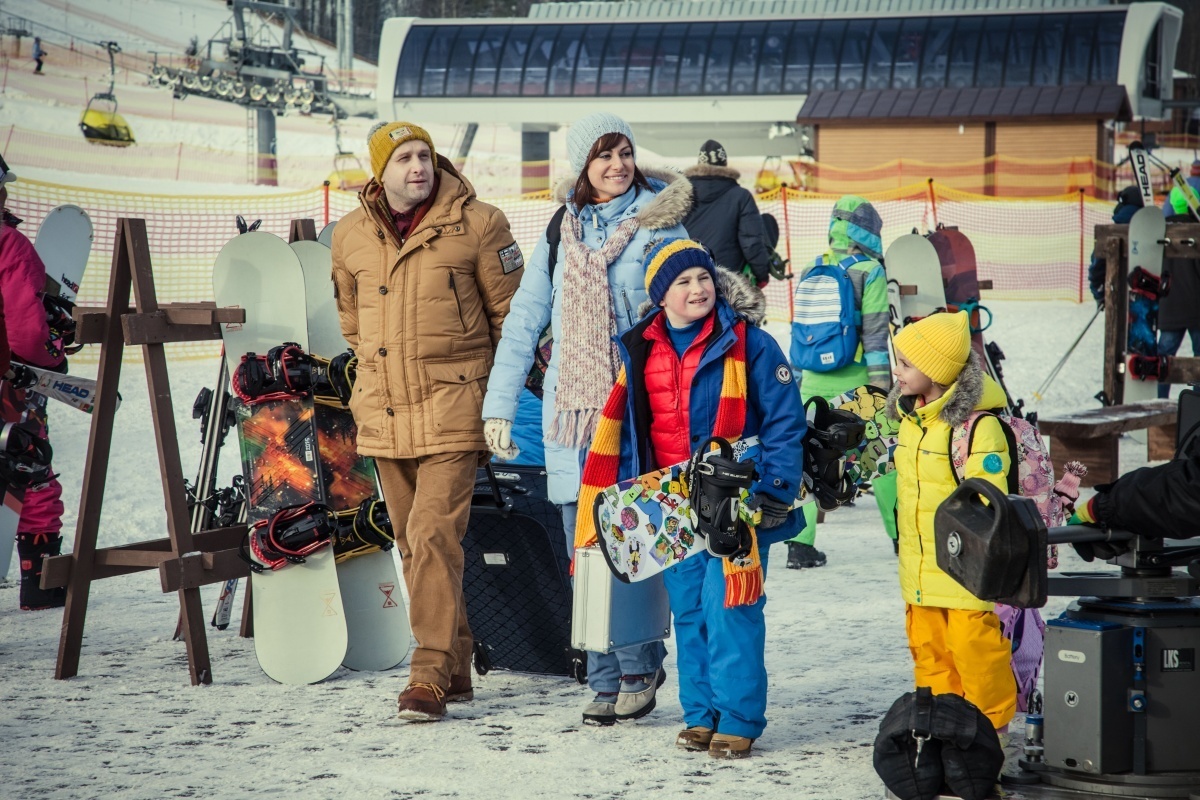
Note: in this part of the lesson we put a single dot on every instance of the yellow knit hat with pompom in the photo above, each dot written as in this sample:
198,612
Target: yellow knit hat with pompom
938,345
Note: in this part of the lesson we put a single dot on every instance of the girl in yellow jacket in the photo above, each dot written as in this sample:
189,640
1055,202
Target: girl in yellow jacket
955,638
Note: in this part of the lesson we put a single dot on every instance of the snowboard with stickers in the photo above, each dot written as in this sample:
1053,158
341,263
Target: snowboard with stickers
64,243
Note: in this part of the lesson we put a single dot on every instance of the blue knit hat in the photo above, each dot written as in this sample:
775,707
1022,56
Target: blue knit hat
668,258
584,133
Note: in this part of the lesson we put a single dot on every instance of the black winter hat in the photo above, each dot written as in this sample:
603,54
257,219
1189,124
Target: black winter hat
713,154
1130,196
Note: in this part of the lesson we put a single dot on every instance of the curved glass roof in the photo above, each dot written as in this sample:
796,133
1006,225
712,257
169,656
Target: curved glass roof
758,57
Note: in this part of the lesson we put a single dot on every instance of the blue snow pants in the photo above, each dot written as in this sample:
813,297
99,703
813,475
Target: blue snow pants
605,669
721,651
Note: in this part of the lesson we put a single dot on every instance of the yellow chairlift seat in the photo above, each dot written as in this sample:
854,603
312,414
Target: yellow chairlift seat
107,127
348,174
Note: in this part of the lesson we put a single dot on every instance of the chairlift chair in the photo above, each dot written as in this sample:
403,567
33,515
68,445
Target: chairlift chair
348,174
102,124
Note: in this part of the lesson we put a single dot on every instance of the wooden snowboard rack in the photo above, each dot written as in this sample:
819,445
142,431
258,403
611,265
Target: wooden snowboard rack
1091,436
184,561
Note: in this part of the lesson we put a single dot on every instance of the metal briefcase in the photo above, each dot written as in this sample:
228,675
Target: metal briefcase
607,614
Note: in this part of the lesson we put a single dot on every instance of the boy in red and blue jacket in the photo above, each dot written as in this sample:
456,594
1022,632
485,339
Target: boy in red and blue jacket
697,366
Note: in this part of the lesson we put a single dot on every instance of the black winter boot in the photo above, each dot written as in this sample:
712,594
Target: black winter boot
32,548
804,556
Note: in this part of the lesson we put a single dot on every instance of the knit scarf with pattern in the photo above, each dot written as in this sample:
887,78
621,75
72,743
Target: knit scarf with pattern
587,361
743,577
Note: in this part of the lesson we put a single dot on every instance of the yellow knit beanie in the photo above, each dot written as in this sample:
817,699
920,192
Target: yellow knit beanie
938,345
385,137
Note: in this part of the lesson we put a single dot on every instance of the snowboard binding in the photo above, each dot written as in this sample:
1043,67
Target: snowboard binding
715,481
362,530
1150,368
287,372
1146,282
62,325
24,456
832,432
287,537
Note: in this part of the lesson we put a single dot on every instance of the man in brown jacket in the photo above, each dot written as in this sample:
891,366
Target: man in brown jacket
423,274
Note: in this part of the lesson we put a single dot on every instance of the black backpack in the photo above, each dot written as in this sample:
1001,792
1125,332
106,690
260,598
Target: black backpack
541,353
925,740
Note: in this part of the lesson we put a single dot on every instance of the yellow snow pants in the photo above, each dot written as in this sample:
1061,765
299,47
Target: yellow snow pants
963,652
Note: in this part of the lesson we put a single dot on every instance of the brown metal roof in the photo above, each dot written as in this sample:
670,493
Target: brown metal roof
1106,101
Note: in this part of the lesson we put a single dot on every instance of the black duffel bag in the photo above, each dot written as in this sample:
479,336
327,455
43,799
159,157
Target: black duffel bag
926,740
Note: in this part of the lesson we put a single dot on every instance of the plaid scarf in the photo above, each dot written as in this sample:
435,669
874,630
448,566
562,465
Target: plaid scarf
588,361
743,577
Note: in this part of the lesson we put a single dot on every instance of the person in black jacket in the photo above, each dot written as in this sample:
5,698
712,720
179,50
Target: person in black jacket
1128,203
1161,501
725,218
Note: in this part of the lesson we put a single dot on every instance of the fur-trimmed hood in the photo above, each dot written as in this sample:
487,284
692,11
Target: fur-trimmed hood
973,389
746,300
671,202
712,171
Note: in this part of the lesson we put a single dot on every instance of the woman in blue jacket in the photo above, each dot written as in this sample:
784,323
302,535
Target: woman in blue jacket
613,211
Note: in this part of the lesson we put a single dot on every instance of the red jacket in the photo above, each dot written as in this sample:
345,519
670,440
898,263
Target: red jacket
22,277
668,382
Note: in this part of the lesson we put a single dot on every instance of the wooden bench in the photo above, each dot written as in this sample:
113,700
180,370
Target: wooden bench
1091,436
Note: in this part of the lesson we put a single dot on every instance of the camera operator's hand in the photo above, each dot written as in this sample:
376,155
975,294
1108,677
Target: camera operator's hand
1089,551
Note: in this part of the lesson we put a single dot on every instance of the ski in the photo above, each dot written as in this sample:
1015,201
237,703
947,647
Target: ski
78,393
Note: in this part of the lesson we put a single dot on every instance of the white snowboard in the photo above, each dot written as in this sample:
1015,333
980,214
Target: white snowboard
324,328
1147,230
376,619
325,237
912,261
299,623
64,242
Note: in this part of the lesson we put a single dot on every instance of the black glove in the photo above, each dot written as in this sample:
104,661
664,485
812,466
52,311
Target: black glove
1089,551
773,511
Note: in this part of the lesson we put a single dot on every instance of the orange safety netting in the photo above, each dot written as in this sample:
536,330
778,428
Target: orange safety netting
997,176
1029,248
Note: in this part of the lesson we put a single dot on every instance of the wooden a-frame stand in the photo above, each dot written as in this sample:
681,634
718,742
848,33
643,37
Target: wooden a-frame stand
184,561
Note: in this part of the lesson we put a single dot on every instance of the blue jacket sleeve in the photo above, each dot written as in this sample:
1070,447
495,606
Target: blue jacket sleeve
773,393
528,314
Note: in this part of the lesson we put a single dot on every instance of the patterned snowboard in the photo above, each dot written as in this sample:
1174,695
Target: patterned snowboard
646,524
376,618
873,457
961,278
300,633
1147,230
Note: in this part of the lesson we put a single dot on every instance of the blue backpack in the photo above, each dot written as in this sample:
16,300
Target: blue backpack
825,317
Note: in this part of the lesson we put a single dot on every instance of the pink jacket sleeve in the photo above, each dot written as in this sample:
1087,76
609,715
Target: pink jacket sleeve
22,277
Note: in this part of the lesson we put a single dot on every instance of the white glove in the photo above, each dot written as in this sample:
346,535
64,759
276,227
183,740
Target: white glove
498,435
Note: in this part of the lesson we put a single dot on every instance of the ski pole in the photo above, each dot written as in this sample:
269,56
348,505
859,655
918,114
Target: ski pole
1037,396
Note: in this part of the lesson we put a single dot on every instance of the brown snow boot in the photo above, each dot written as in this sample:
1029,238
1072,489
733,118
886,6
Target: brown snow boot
32,548
725,746
422,702
694,738
460,690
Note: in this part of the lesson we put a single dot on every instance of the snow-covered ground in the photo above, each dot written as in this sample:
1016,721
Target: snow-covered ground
130,726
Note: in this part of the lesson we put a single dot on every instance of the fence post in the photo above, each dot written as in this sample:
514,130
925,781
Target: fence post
1082,267
787,240
11,128
325,191
178,161
933,203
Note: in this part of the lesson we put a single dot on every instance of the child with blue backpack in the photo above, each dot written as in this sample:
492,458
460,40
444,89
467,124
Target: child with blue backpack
840,326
